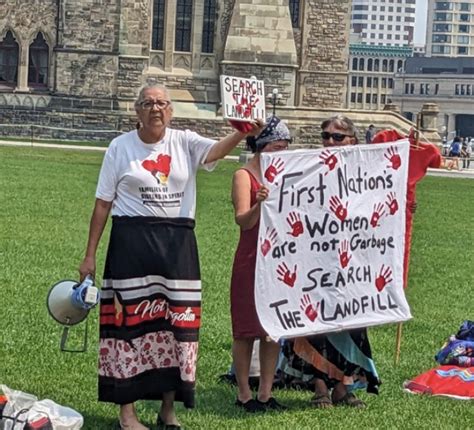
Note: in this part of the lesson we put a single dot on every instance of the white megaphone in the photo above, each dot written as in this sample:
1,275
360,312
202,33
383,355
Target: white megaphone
69,303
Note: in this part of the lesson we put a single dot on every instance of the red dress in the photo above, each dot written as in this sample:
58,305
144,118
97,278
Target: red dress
245,322
422,156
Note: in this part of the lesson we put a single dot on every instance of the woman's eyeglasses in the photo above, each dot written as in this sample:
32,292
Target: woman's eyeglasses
337,137
149,104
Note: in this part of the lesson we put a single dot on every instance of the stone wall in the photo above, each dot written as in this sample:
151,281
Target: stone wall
73,119
130,76
27,18
324,53
86,74
135,27
102,57
89,25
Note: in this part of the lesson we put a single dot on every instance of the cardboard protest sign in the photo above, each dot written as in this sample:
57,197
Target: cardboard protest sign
331,239
242,99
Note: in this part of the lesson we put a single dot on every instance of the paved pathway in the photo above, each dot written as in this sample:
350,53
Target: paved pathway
466,173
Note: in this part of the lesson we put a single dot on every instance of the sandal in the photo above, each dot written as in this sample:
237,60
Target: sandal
321,401
161,425
350,400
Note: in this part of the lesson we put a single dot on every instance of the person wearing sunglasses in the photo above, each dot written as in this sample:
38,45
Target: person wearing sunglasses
336,357
150,309
248,193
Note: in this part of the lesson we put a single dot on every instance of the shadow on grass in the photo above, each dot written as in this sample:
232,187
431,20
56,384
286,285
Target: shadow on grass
94,422
219,400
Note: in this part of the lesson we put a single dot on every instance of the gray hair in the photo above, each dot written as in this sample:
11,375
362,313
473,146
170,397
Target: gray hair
148,87
342,122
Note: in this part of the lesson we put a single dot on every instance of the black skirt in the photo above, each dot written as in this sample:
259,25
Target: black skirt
150,311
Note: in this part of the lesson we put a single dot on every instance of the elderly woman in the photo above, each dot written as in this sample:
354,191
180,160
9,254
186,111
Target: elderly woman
340,360
247,195
150,309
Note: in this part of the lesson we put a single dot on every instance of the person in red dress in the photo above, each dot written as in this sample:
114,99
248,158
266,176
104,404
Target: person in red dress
422,156
247,195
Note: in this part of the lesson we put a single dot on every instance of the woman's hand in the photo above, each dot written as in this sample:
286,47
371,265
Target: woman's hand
87,267
262,194
257,127
248,128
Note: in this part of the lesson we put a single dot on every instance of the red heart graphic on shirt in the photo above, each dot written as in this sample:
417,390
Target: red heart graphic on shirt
150,165
162,165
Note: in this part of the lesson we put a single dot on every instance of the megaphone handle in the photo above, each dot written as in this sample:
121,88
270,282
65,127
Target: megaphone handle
65,335
86,332
64,338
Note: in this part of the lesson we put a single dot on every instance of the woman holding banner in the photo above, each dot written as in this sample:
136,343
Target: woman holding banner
341,361
247,196
150,308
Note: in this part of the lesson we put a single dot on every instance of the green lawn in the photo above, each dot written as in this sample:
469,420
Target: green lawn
98,143
46,199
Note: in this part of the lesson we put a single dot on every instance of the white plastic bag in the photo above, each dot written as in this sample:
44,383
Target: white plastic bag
61,417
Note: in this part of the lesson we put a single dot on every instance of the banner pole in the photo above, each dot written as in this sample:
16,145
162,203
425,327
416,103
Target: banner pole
398,342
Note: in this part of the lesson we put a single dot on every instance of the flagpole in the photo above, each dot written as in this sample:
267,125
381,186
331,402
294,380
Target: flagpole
398,342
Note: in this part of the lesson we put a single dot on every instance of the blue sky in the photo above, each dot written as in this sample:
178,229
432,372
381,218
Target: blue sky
420,21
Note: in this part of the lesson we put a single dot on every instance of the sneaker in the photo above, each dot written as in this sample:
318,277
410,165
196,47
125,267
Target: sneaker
250,406
271,404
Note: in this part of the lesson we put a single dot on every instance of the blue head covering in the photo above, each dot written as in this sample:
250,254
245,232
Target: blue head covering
275,130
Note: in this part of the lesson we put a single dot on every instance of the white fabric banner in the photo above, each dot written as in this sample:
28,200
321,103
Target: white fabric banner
331,239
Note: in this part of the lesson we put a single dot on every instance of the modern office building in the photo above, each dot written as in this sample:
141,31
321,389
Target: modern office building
450,28
383,22
448,82
371,74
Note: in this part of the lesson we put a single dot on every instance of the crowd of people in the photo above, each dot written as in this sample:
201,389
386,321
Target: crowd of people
152,281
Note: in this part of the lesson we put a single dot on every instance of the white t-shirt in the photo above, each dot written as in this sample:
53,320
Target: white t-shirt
156,179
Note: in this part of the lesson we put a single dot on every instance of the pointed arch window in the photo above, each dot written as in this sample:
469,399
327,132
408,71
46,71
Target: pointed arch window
158,25
184,17
9,60
38,62
295,13
208,26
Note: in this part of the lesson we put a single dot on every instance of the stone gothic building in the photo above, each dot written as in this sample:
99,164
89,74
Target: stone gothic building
79,64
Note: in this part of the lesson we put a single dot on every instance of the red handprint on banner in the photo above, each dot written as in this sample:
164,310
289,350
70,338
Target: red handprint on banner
377,214
285,275
268,241
392,203
275,168
385,277
343,252
338,208
294,220
393,157
329,159
244,106
309,308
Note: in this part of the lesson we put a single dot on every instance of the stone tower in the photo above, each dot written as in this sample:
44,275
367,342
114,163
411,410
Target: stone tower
308,63
260,42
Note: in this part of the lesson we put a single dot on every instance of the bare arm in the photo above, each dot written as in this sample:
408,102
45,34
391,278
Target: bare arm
246,216
224,146
96,228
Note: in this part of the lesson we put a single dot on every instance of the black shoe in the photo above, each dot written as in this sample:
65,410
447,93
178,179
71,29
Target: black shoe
161,425
252,406
271,405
